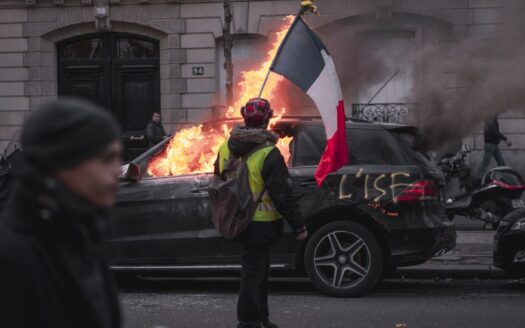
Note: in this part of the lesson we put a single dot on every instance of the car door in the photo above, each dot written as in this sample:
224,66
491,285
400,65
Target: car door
376,165
308,146
157,221
305,154
166,221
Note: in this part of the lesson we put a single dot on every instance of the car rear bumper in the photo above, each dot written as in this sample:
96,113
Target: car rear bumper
506,246
411,247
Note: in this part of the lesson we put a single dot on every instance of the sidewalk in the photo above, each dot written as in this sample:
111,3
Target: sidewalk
472,258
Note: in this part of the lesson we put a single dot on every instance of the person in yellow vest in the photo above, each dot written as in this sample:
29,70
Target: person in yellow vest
268,175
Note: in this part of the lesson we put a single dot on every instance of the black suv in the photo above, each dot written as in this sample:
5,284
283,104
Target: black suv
381,211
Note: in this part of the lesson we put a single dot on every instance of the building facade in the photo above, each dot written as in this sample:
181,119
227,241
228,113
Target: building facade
137,56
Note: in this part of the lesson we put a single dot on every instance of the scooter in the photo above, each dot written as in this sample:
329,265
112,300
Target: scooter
488,199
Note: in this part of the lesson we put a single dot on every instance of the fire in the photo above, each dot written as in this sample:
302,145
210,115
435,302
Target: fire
252,80
191,150
194,150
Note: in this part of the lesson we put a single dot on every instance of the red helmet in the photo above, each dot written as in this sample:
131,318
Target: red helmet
256,112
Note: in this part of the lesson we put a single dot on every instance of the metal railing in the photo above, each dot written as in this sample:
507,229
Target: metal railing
385,112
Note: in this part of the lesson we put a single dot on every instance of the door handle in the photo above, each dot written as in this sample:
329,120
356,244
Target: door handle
308,183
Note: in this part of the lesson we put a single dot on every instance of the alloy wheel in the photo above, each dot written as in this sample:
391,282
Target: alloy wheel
342,259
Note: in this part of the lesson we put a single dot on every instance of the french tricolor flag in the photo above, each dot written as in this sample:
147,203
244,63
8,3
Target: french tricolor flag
303,59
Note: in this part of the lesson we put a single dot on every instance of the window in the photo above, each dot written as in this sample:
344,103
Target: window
245,53
83,49
135,48
117,71
387,52
374,146
309,149
366,146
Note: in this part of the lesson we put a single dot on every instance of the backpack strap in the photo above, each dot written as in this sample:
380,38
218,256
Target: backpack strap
260,196
255,149
245,158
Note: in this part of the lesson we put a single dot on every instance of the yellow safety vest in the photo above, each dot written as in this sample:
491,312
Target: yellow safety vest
266,210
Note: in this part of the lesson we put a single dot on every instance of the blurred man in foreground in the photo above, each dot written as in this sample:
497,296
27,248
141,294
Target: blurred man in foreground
53,273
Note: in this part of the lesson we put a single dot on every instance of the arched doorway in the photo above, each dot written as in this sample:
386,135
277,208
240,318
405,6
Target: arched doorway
118,71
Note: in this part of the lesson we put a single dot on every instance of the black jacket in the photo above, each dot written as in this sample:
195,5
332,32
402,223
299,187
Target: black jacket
492,134
274,172
52,269
155,133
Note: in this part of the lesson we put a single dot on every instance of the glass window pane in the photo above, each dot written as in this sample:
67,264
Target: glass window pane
87,48
374,146
366,146
135,48
308,150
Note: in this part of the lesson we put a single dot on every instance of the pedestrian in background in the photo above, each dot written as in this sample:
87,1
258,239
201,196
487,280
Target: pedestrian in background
52,268
155,132
268,174
492,137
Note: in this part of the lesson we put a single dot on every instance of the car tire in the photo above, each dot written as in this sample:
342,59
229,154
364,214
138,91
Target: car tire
125,280
344,259
513,270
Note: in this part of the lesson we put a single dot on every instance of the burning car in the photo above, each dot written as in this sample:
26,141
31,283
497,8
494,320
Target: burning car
381,211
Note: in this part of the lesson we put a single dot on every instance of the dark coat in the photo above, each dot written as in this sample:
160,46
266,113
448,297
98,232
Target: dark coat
274,172
491,132
52,269
155,133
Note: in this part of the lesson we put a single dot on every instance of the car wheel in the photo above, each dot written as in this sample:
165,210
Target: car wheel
513,270
125,280
344,259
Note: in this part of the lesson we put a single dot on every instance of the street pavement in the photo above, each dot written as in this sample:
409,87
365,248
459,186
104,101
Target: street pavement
464,224
458,289
395,303
472,258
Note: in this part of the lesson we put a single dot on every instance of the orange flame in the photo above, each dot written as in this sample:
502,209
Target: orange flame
251,81
194,150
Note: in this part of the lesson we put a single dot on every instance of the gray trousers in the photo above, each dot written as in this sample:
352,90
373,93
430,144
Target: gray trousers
491,150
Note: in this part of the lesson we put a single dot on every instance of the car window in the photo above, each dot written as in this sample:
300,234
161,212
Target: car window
366,146
307,150
374,146
143,160
408,145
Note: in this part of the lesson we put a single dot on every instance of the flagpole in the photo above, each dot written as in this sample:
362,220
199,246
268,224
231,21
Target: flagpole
264,82
305,5
382,87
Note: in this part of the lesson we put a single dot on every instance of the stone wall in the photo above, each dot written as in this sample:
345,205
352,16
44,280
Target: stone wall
14,72
188,32
49,25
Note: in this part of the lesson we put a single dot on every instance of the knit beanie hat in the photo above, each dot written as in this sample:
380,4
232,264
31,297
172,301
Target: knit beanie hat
66,132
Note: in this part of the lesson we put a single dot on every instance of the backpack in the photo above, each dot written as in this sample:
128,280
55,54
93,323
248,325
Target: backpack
231,199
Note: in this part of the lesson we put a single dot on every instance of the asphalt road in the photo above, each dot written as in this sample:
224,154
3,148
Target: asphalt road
295,303
465,224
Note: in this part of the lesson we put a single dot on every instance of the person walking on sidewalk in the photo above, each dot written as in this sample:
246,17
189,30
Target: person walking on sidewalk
267,172
492,137
53,272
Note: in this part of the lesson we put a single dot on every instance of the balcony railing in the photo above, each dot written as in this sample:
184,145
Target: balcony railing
387,112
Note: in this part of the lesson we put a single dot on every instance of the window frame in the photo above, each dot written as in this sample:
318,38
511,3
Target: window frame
405,160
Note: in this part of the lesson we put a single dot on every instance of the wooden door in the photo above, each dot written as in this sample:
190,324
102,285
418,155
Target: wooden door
119,72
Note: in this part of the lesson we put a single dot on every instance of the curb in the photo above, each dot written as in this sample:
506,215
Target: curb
455,271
